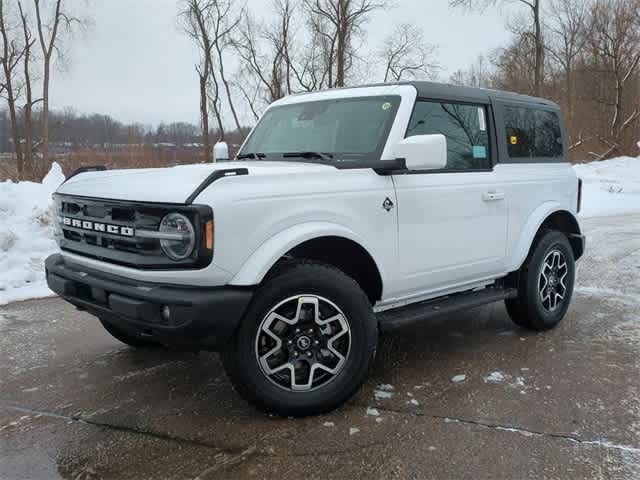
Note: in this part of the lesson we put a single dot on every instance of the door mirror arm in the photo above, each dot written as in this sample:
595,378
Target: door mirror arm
392,167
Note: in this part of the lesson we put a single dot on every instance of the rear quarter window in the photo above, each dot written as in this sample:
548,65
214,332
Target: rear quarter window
533,133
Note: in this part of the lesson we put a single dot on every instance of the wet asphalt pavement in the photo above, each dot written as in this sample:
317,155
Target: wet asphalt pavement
76,404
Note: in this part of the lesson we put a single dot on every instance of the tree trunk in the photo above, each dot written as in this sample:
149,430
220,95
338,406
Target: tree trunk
569,86
216,107
47,51
204,118
28,123
15,132
28,106
45,109
7,67
226,87
341,51
539,66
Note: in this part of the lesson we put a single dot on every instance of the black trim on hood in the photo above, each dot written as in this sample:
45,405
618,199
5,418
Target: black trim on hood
93,168
218,174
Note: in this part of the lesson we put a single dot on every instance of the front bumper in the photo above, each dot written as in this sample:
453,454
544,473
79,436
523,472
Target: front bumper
199,318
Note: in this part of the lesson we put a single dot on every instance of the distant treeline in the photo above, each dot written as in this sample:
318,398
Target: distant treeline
70,131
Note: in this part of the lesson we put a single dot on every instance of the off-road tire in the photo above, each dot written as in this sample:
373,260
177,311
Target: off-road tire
528,310
302,278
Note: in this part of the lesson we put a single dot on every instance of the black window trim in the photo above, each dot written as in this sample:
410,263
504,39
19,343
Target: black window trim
507,159
493,150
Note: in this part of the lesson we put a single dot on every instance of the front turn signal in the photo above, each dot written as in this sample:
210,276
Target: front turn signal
208,235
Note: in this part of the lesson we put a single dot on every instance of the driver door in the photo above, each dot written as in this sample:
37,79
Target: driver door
452,223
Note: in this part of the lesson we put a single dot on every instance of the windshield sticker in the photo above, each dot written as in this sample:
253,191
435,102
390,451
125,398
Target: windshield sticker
386,105
481,120
479,151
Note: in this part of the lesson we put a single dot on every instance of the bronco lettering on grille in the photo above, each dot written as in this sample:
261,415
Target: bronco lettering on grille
99,227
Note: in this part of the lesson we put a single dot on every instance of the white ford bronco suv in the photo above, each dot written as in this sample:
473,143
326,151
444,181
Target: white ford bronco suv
346,212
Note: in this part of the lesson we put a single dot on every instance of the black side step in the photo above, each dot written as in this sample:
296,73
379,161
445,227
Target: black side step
420,312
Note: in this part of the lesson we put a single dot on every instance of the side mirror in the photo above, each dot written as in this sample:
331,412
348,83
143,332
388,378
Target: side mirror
423,152
221,152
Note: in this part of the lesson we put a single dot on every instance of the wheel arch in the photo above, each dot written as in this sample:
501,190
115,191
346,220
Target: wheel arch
328,243
548,216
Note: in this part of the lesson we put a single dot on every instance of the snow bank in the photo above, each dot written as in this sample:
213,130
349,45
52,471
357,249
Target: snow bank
611,187
26,236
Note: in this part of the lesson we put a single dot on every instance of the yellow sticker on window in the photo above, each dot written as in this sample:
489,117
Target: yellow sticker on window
386,106
514,140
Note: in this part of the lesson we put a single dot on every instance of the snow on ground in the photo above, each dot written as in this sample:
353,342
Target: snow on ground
26,236
382,394
494,377
610,187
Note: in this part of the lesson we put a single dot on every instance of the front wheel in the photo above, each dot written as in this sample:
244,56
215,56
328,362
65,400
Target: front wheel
546,282
306,342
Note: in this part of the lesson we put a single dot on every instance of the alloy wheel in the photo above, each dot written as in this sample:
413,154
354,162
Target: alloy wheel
303,343
552,282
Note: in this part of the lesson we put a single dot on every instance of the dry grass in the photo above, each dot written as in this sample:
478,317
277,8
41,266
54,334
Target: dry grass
143,156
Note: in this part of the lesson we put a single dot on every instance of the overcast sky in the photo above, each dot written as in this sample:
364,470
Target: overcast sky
136,65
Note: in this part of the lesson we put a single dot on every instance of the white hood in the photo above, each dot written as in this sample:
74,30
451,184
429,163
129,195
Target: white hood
168,185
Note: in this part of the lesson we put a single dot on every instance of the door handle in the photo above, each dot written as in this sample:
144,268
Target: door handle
493,196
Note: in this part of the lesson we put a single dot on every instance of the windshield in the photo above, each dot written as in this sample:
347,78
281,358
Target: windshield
337,130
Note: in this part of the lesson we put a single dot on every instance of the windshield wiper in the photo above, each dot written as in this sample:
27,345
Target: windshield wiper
255,156
327,157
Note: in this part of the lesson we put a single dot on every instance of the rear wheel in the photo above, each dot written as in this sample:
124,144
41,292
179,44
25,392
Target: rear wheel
306,342
128,338
545,283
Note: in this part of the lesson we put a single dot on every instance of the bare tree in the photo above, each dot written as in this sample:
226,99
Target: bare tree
10,57
313,67
225,21
265,50
567,38
535,30
406,53
29,102
615,40
512,66
335,23
478,75
49,33
195,26
210,24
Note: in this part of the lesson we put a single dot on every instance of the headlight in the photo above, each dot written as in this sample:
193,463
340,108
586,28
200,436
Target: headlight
184,236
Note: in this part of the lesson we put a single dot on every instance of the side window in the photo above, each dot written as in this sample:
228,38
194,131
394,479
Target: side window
533,133
465,127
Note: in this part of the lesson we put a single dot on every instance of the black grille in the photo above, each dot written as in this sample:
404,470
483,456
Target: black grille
122,249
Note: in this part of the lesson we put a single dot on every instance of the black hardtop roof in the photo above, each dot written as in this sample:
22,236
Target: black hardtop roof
441,91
